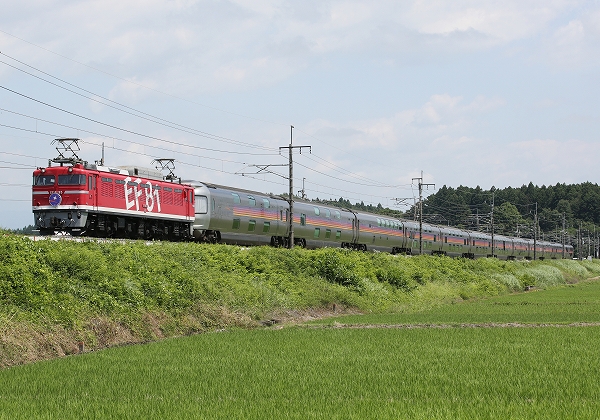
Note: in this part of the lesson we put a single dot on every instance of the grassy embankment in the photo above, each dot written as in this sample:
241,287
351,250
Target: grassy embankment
54,295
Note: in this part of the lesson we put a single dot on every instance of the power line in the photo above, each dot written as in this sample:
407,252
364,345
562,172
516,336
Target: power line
145,116
125,150
15,163
139,84
116,138
20,155
352,174
171,126
189,164
122,129
341,179
337,148
5,184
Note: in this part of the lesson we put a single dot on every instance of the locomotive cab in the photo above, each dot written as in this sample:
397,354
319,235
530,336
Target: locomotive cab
62,197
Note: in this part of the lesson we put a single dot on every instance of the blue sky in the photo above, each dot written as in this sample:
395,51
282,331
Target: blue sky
489,93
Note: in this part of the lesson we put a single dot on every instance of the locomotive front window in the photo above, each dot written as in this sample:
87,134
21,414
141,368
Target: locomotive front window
43,180
201,204
71,179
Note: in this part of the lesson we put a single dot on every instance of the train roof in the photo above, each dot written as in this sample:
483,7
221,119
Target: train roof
195,183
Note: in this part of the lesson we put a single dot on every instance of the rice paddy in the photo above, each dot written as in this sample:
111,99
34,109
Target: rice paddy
324,371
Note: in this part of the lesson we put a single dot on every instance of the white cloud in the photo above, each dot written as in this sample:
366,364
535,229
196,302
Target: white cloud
444,122
239,45
500,20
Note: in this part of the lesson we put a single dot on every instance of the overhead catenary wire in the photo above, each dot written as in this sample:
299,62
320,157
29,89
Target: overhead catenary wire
19,154
145,145
119,149
160,148
335,147
335,177
114,138
352,174
124,129
15,163
155,119
369,183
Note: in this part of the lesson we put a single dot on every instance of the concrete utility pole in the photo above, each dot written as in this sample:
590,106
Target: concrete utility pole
579,242
563,237
535,223
421,184
492,223
291,180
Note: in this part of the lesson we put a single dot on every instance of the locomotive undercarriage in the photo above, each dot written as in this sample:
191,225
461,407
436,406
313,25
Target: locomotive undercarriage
356,247
109,226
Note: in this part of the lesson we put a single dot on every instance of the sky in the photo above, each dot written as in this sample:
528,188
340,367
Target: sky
488,93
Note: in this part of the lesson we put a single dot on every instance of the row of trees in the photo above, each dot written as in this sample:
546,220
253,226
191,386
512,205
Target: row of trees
516,208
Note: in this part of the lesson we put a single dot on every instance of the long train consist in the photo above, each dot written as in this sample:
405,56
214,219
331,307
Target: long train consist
96,200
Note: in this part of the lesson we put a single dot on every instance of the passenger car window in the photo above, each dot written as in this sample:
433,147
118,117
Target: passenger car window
201,204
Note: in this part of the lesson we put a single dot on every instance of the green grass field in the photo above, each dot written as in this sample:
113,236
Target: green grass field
321,371
574,303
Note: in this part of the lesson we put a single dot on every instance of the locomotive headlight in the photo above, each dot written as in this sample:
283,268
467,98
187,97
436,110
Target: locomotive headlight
70,169
79,214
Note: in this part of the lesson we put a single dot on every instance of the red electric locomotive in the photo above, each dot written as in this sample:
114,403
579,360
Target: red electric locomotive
95,200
